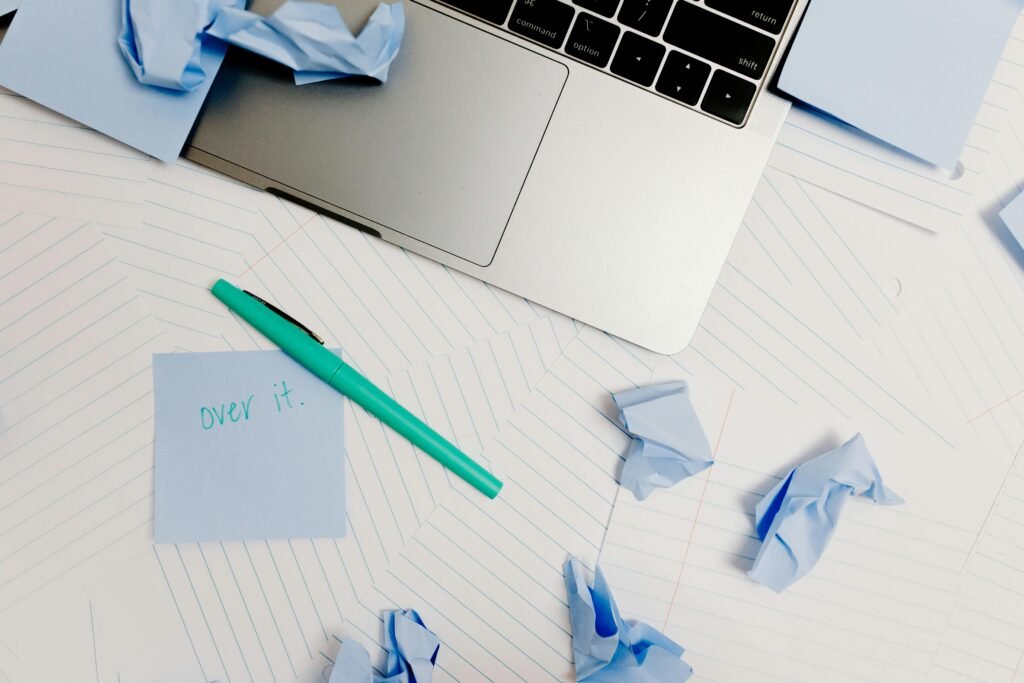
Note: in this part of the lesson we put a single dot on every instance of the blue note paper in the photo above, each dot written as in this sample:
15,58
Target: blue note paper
249,445
797,518
668,444
1013,216
912,72
610,649
65,56
412,653
312,39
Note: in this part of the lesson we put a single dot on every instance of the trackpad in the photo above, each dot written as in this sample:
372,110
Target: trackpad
439,153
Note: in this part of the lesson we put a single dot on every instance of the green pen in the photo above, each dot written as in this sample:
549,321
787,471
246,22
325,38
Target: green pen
306,349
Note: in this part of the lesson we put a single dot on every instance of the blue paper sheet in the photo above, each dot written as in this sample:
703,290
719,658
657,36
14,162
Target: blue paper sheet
797,518
249,445
412,653
162,40
912,73
312,39
8,6
65,56
610,649
1013,216
668,445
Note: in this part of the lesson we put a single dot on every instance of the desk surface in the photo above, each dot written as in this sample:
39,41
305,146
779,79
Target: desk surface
829,317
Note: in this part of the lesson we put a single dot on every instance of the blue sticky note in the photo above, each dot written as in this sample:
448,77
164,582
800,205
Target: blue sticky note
668,444
797,518
249,445
1013,216
412,653
610,649
312,39
65,56
912,73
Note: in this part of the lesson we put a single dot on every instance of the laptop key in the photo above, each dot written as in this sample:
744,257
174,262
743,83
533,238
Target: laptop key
603,7
546,21
493,11
728,97
718,39
683,78
646,16
592,39
768,15
637,58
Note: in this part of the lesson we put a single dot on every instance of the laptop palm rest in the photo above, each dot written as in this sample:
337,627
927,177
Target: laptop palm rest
439,153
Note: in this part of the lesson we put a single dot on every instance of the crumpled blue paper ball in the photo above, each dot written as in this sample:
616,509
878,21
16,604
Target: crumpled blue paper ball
669,443
162,39
609,649
412,653
797,518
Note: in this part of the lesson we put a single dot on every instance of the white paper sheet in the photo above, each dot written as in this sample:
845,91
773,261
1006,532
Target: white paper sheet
874,607
126,628
959,338
487,576
841,266
985,636
76,410
58,167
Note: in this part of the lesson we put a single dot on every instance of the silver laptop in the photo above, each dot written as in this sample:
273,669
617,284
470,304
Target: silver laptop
594,156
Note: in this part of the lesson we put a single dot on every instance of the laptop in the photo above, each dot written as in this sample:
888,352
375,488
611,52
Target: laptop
593,156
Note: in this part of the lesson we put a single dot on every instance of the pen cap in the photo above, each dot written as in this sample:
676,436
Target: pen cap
292,340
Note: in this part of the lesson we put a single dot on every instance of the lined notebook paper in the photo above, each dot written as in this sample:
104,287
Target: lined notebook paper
76,410
985,636
874,607
58,167
125,626
487,575
959,338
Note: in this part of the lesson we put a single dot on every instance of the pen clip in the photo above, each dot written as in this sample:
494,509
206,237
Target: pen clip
287,317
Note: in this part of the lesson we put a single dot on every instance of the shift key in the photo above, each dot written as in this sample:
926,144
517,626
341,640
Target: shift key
546,21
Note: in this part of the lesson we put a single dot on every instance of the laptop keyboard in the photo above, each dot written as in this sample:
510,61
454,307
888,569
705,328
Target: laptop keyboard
710,55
